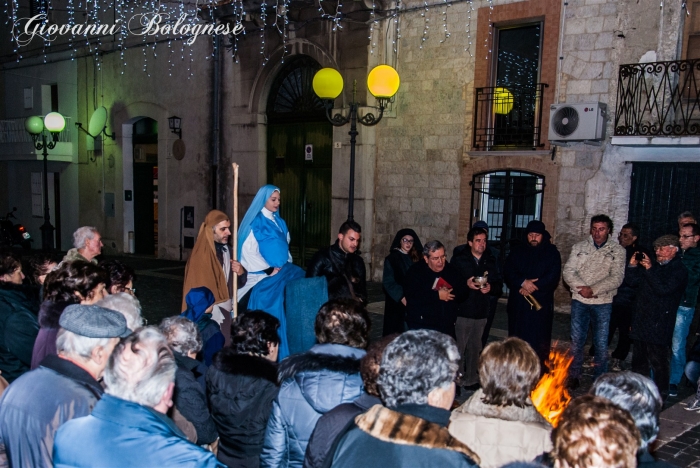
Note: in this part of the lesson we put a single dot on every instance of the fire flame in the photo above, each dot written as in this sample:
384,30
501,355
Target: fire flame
550,396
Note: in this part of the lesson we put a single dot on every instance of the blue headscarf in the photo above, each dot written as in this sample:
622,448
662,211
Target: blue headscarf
198,300
256,207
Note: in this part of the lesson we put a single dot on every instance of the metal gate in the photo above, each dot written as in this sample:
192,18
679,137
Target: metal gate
296,119
507,200
660,192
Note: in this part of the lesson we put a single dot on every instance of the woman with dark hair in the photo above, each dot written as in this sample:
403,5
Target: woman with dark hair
72,283
241,385
499,421
40,265
18,324
405,250
120,277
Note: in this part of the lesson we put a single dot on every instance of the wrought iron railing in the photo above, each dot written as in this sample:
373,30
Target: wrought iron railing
658,99
13,131
508,117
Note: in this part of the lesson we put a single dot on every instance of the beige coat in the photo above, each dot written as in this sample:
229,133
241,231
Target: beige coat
601,269
500,434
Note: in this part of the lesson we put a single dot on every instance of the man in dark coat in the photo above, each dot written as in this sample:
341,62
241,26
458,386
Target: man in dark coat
533,269
474,259
342,265
428,305
661,287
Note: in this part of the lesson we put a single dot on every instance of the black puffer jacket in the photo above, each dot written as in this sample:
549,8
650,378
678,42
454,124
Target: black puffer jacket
477,304
19,306
660,291
190,398
336,265
241,389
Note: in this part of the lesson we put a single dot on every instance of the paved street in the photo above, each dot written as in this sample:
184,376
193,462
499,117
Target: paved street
159,288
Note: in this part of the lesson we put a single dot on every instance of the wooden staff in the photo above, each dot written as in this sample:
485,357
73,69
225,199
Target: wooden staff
235,238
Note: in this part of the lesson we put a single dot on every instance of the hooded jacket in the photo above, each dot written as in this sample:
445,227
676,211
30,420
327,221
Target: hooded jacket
500,434
240,389
396,264
18,328
313,383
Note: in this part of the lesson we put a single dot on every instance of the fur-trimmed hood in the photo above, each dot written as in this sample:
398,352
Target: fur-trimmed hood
404,429
50,313
230,362
475,406
319,361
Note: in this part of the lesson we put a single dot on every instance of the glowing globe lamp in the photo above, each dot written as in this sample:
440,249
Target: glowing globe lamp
383,82
34,125
502,101
328,84
54,122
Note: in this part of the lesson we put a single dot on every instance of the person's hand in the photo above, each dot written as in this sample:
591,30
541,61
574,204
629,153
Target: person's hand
275,271
237,268
646,263
471,284
529,286
486,288
446,294
403,300
523,292
586,292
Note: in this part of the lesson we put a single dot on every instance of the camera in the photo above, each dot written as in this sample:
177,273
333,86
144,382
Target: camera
639,256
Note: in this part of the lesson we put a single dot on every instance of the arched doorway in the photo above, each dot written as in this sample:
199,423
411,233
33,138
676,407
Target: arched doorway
299,157
145,141
507,200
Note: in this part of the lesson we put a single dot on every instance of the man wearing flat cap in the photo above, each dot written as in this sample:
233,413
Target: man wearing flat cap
662,283
211,265
533,269
63,387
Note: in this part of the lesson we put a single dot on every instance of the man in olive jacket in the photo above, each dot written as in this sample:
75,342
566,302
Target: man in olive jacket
661,287
594,271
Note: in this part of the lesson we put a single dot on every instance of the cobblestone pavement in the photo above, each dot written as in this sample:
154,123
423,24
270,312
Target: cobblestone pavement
159,288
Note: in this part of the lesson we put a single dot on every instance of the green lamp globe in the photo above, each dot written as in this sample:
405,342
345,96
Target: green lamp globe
34,125
54,122
383,82
328,84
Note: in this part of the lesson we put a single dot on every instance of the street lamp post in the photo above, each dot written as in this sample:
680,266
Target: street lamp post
382,82
54,123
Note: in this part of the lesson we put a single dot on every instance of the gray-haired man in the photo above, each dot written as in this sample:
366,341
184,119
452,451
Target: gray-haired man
87,243
63,387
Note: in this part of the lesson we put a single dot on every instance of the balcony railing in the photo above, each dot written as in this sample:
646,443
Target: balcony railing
658,99
13,131
508,117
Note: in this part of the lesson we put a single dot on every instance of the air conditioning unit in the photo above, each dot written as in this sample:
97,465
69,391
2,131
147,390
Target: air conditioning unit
577,122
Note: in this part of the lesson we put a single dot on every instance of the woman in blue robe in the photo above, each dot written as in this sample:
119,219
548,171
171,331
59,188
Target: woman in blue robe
263,246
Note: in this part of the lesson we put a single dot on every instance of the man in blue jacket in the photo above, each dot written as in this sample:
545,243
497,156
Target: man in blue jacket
129,426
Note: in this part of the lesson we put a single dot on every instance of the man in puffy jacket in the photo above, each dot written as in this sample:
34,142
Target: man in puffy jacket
129,426
317,381
594,271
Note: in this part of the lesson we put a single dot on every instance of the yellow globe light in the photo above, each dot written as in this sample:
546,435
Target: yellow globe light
383,82
54,122
34,125
328,84
502,101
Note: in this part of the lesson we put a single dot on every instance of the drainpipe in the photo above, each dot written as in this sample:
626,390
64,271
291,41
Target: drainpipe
216,122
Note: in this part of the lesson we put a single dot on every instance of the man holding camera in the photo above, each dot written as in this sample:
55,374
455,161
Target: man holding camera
661,287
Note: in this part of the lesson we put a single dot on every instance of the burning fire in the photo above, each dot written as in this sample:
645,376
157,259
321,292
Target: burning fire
550,397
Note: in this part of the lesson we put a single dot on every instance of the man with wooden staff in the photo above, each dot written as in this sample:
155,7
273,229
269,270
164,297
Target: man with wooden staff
211,265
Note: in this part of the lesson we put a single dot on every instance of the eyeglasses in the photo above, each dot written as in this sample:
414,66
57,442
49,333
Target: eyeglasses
131,291
687,237
407,240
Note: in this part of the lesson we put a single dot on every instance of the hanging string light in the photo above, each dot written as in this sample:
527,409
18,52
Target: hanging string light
470,8
426,26
397,30
372,22
444,22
